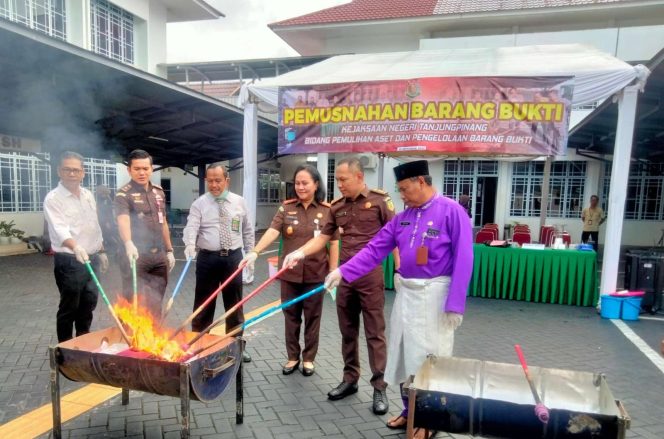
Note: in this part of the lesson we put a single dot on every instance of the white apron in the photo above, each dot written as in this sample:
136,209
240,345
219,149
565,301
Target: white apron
417,326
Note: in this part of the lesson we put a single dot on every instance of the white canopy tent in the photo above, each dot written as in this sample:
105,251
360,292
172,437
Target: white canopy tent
597,76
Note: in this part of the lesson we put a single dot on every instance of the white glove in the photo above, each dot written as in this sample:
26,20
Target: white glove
170,257
81,254
190,251
452,320
249,260
131,250
103,262
333,279
293,258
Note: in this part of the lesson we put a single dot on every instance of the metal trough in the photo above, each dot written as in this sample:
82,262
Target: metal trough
202,378
488,399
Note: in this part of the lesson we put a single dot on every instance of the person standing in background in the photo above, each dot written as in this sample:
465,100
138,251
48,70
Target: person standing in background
592,218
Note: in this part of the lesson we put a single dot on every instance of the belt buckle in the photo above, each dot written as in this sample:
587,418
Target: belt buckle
154,250
223,252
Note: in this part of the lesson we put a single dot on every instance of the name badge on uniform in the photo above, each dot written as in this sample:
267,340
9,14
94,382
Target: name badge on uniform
422,255
404,223
235,225
161,217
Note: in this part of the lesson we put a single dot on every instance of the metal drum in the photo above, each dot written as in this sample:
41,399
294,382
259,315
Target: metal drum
489,399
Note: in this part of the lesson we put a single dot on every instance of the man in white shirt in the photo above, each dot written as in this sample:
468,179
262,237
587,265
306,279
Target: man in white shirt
218,225
71,213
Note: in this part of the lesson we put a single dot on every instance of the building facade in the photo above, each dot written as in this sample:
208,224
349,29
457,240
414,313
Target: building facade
507,192
132,32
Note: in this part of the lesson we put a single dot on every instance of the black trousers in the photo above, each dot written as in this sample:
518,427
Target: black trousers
212,269
78,295
594,235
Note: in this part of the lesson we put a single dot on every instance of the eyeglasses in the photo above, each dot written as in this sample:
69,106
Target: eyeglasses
71,171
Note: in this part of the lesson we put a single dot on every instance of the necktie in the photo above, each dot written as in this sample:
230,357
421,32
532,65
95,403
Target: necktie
224,225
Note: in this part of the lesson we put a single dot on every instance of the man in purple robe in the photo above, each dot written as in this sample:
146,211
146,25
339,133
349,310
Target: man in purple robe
435,244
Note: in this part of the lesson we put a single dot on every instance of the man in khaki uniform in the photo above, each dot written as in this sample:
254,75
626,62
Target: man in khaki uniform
592,217
140,207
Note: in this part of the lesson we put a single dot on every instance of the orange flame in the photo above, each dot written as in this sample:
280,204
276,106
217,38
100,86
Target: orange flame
145,333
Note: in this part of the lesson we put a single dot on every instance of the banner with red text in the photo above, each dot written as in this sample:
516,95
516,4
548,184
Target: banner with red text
473,116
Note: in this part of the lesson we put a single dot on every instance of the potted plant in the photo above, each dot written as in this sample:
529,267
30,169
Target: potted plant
6,232
17,236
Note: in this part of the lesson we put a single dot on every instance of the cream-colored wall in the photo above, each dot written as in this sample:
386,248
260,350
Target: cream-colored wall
150,18
32,223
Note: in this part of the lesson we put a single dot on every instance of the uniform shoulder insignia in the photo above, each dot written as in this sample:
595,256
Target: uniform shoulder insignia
325,203
337,200
120,194
290,201
379,191
125,188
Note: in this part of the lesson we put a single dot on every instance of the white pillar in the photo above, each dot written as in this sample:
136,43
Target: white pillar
622,154
250,158
544,204
503,195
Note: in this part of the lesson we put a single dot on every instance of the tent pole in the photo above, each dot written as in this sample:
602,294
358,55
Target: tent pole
544,204
622,153
250,159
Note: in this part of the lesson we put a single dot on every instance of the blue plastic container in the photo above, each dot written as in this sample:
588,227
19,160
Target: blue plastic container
631,308
611,307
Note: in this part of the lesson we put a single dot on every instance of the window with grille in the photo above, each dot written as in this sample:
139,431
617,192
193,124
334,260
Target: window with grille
112,31
566,189
269,183
644,191
24,182
98,172
460,176
46,16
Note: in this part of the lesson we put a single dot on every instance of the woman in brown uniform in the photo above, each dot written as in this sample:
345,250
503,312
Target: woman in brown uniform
298,220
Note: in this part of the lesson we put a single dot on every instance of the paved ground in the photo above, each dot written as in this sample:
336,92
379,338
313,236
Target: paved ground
295,406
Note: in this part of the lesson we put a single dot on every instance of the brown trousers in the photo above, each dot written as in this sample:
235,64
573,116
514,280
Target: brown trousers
312,308
365,296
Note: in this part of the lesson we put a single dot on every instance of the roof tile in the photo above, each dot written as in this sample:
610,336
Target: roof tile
369,10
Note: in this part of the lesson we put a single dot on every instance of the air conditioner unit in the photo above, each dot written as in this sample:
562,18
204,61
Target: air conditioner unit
369,161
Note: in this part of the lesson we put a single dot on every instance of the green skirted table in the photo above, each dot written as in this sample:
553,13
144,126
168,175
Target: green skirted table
566,277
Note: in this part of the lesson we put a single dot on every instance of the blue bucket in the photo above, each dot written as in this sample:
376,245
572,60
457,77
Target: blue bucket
611,307
631,308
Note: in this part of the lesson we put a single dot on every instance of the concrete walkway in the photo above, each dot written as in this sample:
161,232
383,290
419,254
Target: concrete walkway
295,406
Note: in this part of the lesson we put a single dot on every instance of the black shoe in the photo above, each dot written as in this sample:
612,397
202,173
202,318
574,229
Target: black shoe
287,370
246,358
342,390
380,402
308,371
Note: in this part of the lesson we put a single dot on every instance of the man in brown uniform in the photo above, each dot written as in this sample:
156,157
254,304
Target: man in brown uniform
140,207
358,215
